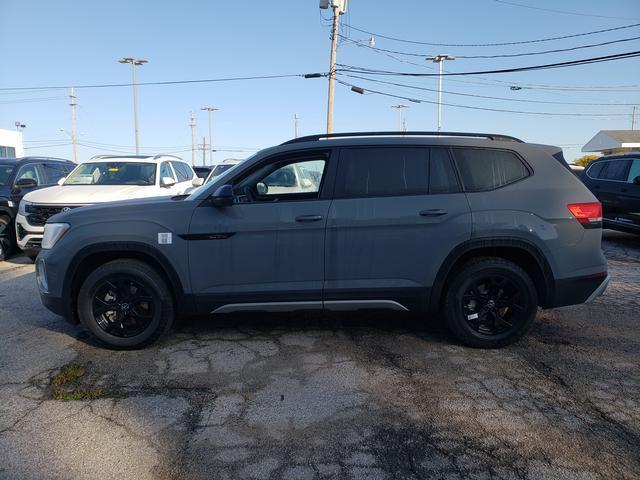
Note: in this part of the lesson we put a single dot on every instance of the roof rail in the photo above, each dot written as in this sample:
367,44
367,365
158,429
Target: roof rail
164,156
490,136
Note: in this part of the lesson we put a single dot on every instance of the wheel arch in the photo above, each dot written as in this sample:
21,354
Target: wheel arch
521,252
88,258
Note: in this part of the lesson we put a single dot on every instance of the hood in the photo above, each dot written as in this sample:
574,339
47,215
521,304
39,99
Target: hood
89,194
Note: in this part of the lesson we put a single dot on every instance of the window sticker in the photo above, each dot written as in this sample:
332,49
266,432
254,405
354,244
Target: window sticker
165,238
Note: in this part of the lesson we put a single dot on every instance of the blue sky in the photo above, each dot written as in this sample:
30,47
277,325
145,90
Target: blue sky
74,43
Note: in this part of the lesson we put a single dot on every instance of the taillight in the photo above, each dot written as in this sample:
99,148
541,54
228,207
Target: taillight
588,214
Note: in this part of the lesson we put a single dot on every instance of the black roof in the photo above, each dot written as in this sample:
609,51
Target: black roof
32,158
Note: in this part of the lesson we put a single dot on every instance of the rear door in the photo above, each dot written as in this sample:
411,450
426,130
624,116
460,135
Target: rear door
608,177
397,213
629,210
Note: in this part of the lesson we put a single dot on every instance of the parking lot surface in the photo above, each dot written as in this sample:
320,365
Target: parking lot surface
311,396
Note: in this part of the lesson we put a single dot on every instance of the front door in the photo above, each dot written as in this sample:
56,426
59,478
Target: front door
397,213
265,252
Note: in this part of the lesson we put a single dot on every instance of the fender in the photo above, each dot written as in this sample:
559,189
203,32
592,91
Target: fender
184,303
481,243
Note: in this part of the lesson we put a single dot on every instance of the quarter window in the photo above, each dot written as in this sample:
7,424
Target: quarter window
486,169
595,169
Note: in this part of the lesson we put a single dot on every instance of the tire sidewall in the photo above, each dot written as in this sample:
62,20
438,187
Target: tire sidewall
6,239
141,273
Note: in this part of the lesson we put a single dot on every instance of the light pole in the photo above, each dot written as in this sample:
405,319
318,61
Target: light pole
439,59
135,62
402,122
339,7
210,110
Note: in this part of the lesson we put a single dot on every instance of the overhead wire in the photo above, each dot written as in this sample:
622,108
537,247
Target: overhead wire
564,12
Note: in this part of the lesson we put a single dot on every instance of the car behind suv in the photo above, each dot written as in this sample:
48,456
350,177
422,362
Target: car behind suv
483,228
19,176
105,178
615,181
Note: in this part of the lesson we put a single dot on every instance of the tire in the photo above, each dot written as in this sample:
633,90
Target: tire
490,303
125,305
32,257
7,242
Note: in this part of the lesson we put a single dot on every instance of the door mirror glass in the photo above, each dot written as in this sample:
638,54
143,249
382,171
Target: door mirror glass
61,181
27,183
167,182
262,188
197,182
223,196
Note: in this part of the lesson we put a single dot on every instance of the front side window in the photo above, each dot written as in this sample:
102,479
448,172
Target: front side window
634,171
183,171
5,173
486,169
113,173
283,180
29,171
53,172
378,172
165,171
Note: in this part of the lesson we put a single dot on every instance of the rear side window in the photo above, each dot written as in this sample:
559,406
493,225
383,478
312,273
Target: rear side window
486,169
615,170
379,172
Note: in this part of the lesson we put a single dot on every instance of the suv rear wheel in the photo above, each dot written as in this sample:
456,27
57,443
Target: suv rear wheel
125,304
491,302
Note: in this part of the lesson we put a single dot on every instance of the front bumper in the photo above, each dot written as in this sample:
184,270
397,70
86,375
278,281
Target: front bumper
28,236
50,274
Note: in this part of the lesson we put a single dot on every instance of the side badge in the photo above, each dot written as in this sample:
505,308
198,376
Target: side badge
165,238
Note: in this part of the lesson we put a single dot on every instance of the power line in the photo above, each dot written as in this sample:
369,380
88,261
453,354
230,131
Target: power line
486,96
584,61
521,42
174,82
523,112
29,100
505,55
564,12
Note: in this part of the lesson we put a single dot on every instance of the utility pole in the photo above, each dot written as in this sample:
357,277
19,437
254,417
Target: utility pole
74,132
633,118
339,7
295,125
439,59
210,110
204,151
135,62
192,124
402,122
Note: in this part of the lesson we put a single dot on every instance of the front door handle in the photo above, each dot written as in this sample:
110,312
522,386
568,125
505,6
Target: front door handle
433,212
309,218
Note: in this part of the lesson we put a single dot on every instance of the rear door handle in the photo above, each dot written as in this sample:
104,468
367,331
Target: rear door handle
309,218
433,212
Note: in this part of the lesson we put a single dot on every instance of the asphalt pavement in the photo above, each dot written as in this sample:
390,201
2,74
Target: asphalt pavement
369,396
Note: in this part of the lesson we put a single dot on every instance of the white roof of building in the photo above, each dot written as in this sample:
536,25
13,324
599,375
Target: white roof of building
610,139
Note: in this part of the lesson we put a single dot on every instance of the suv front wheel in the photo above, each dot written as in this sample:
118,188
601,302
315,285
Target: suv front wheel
125,304
491,302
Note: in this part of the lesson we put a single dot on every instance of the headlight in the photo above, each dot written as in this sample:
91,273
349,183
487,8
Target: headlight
22,208
52,233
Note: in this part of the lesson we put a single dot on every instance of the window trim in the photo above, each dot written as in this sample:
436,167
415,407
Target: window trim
428,192
603,166
530,171
325,189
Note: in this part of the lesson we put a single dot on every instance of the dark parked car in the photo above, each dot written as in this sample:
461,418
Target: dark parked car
19,176
615,181
482,228
202,172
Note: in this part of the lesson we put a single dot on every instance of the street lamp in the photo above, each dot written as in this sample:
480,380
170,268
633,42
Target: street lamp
439,59
402,122
210,110
135,62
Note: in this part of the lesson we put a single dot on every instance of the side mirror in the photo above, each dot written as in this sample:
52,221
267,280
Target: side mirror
61,181
637,180
262,188
306,183
197,182
167,182
26,183
223,196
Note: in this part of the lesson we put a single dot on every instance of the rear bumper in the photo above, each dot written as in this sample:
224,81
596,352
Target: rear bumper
576,290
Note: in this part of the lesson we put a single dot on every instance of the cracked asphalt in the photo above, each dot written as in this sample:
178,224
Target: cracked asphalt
343,396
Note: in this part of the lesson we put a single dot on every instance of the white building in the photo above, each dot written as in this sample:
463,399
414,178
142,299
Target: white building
11,144
614,141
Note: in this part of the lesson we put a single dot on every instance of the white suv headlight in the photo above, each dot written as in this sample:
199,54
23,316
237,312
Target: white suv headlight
22,208
52,233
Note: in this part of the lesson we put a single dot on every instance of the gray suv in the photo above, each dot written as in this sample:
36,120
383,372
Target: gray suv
481,228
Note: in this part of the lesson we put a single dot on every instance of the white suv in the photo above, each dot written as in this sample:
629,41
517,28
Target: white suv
104,178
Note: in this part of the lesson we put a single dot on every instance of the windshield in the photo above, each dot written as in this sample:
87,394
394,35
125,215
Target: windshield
113,173
5,173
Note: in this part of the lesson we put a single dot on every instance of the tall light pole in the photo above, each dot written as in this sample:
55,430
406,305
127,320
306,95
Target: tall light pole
295,125
402,122
439,59
339,7
135,62
210,110
192,124
73,103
